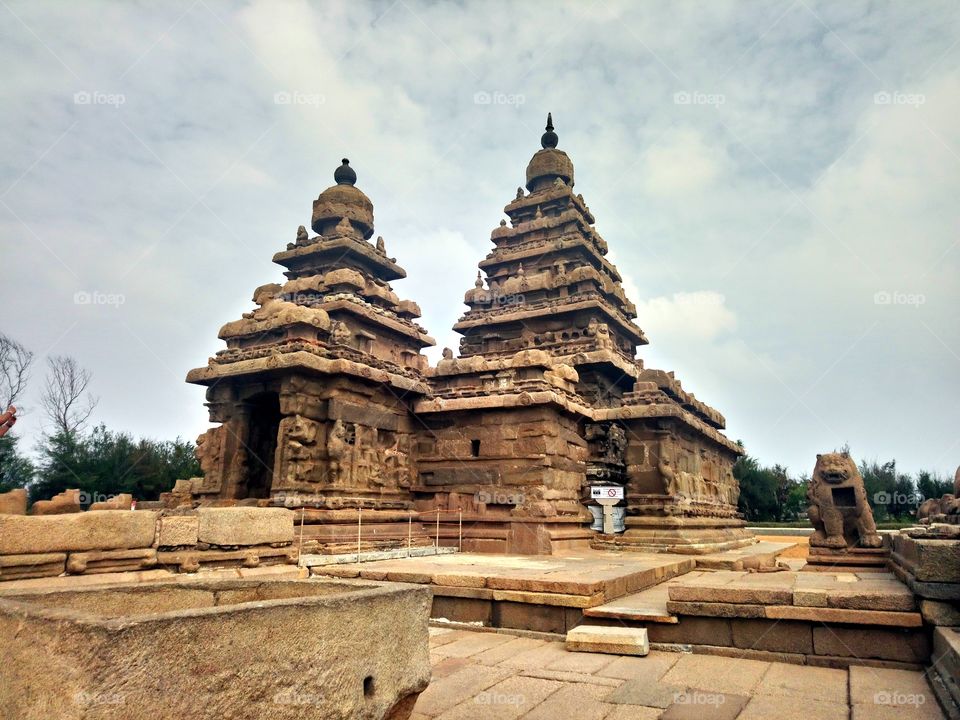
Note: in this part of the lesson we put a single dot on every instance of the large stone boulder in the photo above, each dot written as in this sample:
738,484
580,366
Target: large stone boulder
92,530
232,526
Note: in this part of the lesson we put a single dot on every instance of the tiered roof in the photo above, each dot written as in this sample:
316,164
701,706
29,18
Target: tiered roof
337,304
549,285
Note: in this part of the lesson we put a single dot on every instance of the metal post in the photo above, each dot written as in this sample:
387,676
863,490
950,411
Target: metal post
409,532
300,548
438,532
359,513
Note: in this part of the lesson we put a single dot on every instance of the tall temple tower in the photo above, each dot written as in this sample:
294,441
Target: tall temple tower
548,397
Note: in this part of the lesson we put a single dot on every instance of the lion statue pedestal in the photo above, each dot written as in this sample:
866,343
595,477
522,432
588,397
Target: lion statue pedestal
844,534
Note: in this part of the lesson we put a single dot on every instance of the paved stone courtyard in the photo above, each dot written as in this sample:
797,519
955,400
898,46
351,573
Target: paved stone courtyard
487,676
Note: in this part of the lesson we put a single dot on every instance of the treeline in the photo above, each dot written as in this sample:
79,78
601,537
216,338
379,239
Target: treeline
771,494
99,462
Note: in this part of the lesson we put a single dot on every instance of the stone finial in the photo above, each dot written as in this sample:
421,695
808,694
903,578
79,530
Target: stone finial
345,175
519,193
447,354
301,235
381,246
503,223
549,139
521,272
479,282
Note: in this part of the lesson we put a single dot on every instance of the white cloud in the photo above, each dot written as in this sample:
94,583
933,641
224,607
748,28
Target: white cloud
789,205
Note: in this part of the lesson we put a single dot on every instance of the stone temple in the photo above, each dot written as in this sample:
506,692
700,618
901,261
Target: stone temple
326,404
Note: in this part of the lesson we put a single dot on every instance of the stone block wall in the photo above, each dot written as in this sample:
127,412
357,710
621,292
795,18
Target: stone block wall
105,541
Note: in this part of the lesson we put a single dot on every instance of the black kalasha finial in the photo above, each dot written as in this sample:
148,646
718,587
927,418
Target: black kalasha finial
549,139
345,175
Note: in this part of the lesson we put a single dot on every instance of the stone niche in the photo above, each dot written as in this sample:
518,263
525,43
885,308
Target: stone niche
277,649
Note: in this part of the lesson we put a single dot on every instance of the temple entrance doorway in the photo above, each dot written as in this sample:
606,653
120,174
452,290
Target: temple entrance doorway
262,443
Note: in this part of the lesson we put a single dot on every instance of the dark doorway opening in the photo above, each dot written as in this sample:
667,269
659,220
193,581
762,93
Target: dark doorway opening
262,443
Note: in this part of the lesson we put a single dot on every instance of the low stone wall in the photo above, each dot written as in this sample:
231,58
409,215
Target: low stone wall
243,649
104,541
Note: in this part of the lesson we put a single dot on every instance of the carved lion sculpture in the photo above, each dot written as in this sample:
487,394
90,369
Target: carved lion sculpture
839,511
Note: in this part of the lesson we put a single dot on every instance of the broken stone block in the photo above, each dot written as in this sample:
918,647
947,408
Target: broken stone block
245,526
940,613
79,532
178,531
13,502
123,501
612,640
66,502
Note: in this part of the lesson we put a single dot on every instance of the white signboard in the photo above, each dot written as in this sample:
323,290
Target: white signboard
606,492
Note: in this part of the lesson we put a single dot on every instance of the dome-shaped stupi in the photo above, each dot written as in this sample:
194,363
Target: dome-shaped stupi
549,163
343,200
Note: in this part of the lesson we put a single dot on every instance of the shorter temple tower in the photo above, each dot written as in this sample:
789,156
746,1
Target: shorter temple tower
313,391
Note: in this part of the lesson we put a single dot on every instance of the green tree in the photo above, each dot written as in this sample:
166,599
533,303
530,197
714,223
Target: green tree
102,463
932,485
16,470
758,489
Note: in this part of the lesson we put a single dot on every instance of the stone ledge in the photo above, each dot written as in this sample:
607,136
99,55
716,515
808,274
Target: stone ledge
77,532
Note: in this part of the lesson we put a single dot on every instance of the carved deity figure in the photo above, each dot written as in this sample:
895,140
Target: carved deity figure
616,444
839,511
302,236
207,453
665,465
337,451
300,449
340,333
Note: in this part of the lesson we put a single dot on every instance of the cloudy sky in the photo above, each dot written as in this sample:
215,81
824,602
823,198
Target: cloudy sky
777,182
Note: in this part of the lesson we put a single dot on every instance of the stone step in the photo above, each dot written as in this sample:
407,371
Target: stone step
646,606
761,554
610,640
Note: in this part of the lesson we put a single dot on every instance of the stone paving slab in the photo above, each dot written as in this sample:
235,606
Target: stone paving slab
593,574
542,681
